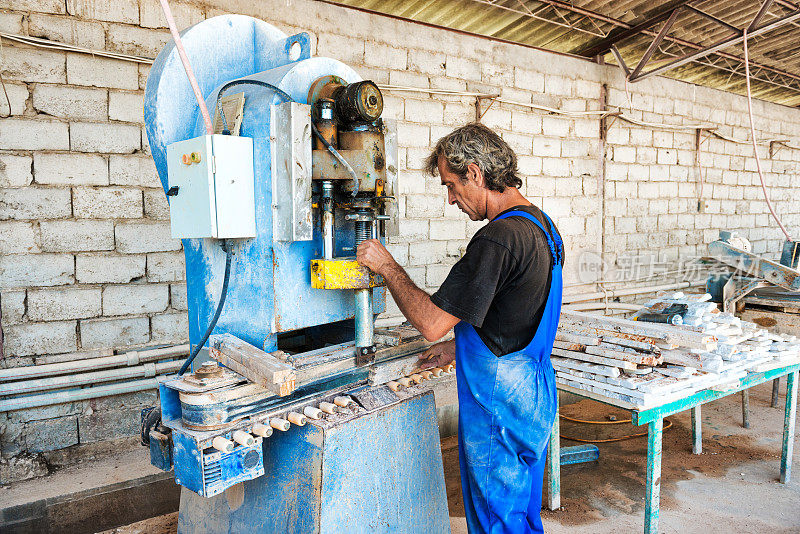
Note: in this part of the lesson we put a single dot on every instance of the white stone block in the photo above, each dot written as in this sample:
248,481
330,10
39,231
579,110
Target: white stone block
427,252
17,95
83,69
463,68
177,296
546,146
77,236
107,203
411,230
108,268
166,267
23,134
413,135
444,229
13,306
63,303
555,167
385,56
499,75
346,49
17,237
145,237
15,171
25,270
170,328
136,41
40,338
435,275
99,137
529,80
133,170
555,126
399,252
155,205
118,11
152,16
132,299
70,169
106,333
424,206
35,203
33,65
423,111
411,182
127,107
74,31
427,62
11,23
497,118
667,157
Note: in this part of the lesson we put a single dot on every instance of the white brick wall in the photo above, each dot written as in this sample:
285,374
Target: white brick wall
86,260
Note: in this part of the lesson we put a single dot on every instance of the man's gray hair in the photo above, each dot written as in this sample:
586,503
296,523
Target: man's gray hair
478,144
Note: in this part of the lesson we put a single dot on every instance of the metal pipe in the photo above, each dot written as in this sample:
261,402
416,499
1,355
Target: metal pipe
581,297
69,381
364,319
601,305
92,364
327,220
74,395
364,324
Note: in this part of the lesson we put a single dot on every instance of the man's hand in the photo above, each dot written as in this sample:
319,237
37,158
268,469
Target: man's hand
438,355
373,255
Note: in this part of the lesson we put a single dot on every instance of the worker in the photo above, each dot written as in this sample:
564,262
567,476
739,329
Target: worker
504,299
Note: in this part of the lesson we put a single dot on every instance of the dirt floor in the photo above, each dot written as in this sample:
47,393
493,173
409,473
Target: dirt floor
732,487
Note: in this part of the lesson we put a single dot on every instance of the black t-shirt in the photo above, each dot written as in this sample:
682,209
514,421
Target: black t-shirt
500,285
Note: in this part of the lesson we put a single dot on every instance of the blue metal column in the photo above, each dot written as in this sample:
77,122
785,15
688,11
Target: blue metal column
697,430
653,478
790,414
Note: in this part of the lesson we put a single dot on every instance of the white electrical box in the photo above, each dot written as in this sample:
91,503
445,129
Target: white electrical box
211,187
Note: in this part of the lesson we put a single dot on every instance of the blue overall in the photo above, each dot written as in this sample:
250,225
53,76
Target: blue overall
507,407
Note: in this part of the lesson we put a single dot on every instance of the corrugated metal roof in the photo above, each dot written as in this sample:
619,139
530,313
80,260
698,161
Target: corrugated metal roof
579,26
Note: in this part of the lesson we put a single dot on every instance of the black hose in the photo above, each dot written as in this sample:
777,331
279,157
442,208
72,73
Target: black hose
228,254
288,98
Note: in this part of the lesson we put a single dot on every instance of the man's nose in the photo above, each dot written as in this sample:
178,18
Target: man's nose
450,198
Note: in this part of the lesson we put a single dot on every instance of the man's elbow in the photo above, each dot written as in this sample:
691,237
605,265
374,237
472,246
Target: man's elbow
433,333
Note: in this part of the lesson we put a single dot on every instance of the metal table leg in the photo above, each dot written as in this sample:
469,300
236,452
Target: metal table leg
775,388
553,476
653,478
790,414
697,431
746,408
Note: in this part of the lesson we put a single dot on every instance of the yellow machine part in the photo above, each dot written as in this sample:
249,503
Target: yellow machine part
341,273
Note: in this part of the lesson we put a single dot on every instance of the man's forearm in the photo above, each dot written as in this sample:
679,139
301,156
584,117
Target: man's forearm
417,305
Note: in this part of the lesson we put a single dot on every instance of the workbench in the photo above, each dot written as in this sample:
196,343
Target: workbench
654,418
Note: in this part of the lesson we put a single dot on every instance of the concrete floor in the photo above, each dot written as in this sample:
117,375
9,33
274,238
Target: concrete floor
732,487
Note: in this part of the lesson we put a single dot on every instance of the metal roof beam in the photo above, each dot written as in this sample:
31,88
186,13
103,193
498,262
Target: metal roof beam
712,18
623,33
656,42
731,41
760,15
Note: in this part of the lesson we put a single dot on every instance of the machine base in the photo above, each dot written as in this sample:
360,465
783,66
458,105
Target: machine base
380,472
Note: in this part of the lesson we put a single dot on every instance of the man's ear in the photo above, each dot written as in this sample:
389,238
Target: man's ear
475,175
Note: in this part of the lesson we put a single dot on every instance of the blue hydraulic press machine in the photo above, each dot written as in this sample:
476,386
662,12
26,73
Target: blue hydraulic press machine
303,418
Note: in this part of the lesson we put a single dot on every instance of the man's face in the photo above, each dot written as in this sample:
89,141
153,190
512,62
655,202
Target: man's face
469,195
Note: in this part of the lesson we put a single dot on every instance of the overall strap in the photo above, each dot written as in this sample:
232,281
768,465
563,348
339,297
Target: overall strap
553,241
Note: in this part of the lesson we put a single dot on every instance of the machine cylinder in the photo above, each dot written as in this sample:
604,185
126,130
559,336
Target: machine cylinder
327,220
